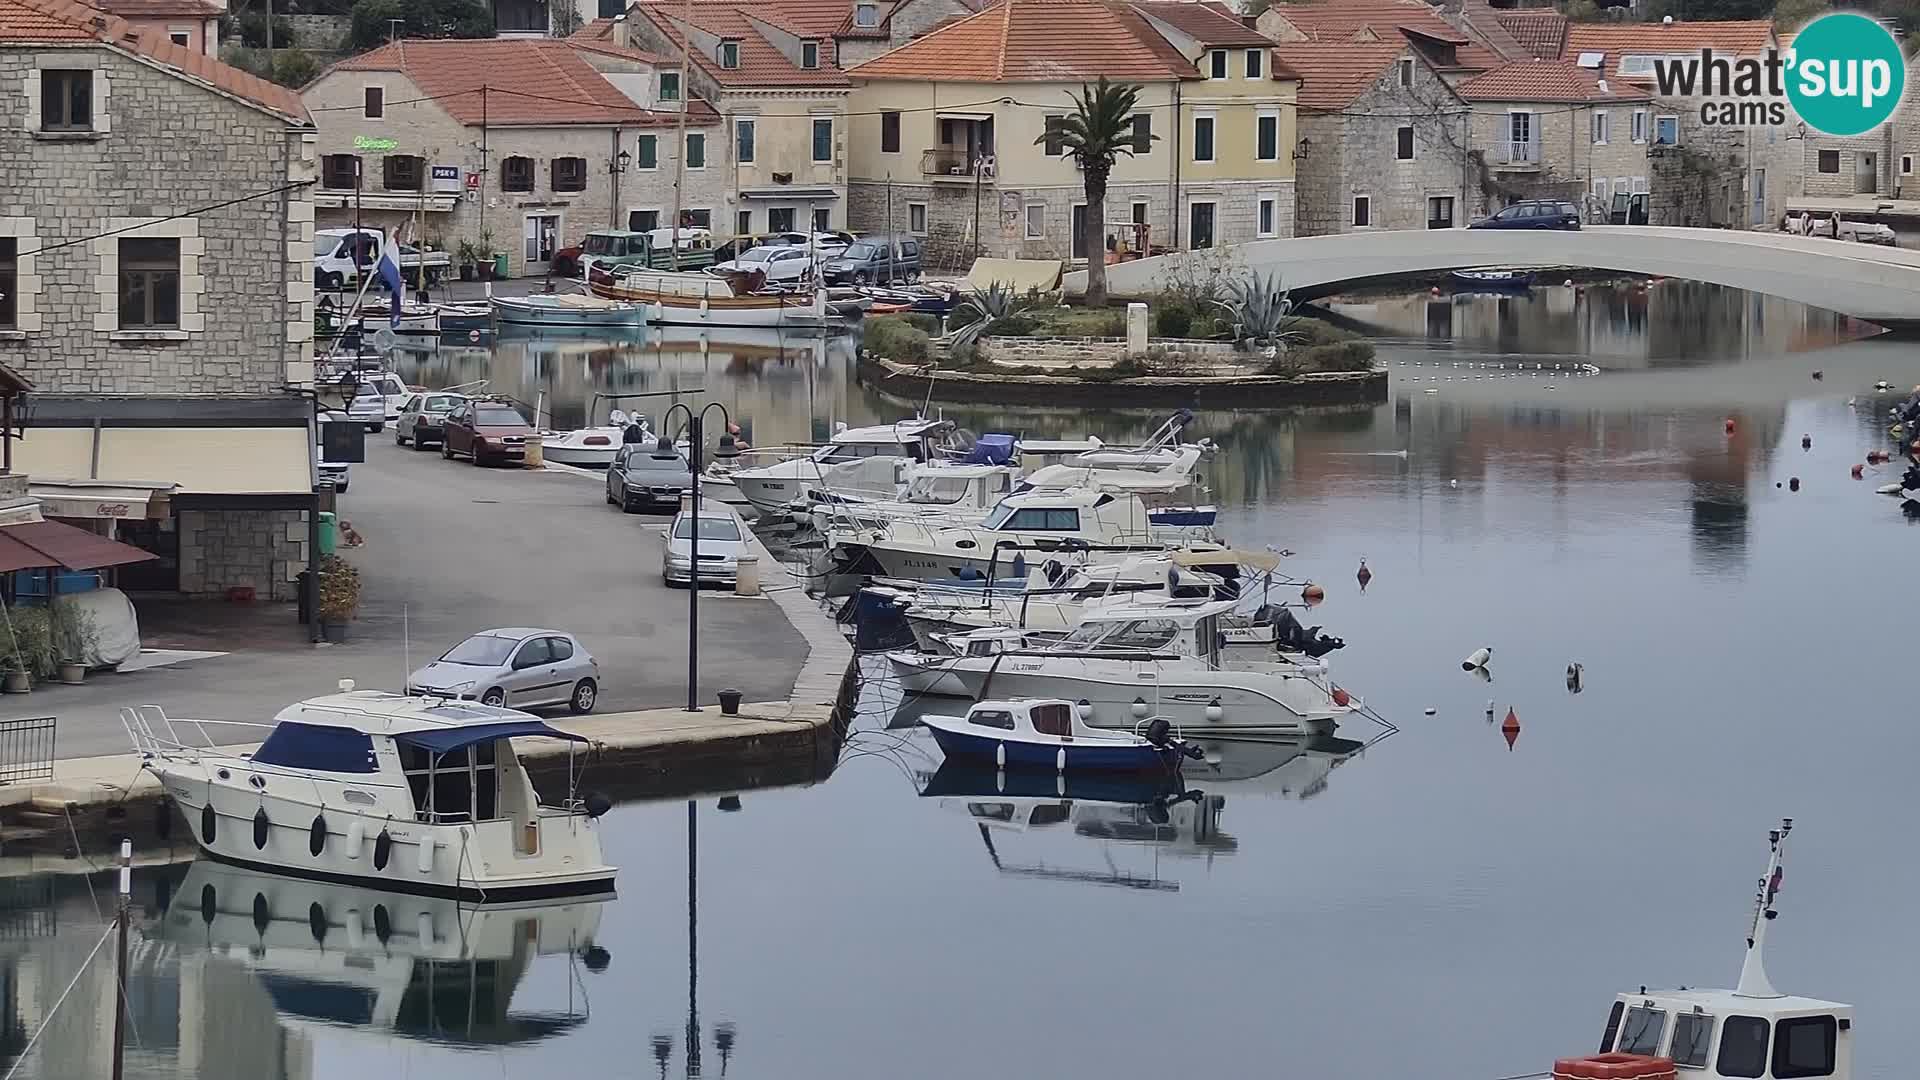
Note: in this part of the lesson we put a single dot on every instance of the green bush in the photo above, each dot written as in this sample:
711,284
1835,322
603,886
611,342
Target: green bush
921,321
893,338
1010,326
1315,332
1080,322
27,642
1172,317
1339,356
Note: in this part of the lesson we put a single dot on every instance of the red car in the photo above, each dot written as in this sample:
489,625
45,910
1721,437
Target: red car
486,431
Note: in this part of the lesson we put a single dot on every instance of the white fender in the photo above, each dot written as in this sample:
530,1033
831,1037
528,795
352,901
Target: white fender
423,926
1000,754
426,852
356,929
1060,759
356,838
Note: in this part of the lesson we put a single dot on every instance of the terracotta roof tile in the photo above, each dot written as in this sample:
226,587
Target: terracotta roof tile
597,37
154,9
761,63
1541,31
529,81
1325,21
25,21
1205,23
1547,80
1038,41
1333,74
1742,37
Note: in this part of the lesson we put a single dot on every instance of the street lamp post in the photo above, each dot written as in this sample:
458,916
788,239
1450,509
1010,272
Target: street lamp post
616,167
696,453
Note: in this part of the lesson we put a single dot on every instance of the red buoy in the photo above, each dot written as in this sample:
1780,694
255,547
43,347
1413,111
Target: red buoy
1365,575
1730,425
1341,697
1858,471
1313,594
1510,727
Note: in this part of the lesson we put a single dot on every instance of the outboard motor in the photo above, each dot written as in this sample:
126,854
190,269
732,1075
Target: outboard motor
1159,732
1288,634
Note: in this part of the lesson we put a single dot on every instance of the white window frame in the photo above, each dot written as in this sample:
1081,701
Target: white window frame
1413,143
1262,117
1640,185
1663,118
1137,204
1906,164
28,284
1602,189
804,46
1600,127
1638,131
1218,60
181,36
1212,118
865,8
1405,71
752,125
1027,221
1269,201
101,82
1248,63
1353,210
720,55
922,208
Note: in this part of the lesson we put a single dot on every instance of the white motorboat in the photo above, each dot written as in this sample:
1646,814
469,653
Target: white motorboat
934,492
565,311
770,487
592,447
1130,661
411,794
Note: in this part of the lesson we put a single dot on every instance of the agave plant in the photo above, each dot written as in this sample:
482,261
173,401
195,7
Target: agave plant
986,306
1262,312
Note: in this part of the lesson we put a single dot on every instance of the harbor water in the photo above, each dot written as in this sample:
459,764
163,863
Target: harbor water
1444,901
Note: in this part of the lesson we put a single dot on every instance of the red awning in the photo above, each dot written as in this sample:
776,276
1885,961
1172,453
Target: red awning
38,544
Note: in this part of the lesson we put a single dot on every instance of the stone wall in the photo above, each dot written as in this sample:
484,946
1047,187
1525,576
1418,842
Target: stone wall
1069,351
1354,153
222,549
163,147
320,33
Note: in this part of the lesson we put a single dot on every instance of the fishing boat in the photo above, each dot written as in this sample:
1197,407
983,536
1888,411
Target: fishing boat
1751,1030
592,447
729,298
411,794
1049,734
566,311
465,318
1492,279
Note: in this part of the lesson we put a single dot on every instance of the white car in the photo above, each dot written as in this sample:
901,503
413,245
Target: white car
368,407
782,265
722,541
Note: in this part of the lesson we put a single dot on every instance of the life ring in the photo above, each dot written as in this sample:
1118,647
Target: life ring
1614,1066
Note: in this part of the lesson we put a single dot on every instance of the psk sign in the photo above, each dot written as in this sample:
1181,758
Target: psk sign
446,179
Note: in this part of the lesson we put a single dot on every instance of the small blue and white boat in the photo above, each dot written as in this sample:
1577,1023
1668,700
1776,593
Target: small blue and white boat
1049,733
566,311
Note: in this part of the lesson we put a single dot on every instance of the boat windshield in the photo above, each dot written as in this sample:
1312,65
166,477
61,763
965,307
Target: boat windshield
998,516
711,528
942,490
481,650
1149,634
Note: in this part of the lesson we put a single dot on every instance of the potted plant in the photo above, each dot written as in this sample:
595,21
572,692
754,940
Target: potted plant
485,253
339,596
469,259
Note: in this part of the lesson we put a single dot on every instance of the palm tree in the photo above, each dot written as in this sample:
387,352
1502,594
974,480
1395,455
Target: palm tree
1099,130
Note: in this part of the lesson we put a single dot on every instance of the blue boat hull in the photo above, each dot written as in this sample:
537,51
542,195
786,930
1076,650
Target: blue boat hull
1017,754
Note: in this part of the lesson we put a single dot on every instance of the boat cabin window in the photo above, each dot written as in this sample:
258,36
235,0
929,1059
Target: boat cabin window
1642,1032
1805,1046
1033,519
1050,813
1692,1031
980,648
937,490
456,786
1743,1047
993,718
318,747
1142,634
1053,720
992,811
1613,1026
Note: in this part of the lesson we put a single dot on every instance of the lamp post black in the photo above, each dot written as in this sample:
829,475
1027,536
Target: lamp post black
696,455
616,167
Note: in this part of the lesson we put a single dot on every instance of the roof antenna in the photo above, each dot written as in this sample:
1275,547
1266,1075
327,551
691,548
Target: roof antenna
393,29
1753,973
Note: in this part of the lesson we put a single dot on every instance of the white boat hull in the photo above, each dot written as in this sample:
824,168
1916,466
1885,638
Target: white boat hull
1250,703
926,673
580,457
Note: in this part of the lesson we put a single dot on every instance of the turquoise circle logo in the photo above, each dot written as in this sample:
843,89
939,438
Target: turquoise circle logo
1847,74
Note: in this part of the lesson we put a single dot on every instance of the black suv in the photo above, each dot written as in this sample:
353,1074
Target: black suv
648,475
1533,214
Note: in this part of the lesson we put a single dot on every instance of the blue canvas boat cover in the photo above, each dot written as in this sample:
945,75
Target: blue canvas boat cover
992,450
446,740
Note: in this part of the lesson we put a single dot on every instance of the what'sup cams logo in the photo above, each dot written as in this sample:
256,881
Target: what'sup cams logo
1843,76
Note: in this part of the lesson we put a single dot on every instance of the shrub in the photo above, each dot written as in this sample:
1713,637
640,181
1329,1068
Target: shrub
921,321
1339,356
27,642
339,589
1315,332
1010,326
894,338
1172,316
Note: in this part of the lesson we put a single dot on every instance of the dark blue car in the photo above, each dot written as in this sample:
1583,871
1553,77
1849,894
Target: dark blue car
1533,214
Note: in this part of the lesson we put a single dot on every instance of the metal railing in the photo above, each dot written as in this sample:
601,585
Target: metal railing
26,749
1523,152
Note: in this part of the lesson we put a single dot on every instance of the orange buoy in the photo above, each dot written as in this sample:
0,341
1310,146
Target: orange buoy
1858,471
1510,727
1730,425
1313,594
1365,575
1341,697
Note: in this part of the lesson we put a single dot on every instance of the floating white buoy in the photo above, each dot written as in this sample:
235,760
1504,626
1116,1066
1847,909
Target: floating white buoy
1478,658
1453,483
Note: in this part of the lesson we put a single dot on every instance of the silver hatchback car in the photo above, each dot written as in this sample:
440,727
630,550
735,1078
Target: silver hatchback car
516,666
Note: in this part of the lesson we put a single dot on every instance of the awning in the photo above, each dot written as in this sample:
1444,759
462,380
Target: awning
1018,275
446,740
432,204
945,114
793,192
192,460
41,544
92,499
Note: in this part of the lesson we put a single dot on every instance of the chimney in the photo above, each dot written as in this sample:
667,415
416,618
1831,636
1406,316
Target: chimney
620,36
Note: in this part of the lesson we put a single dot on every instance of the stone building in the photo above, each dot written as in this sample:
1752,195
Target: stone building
781,160
860,30
1553,129
155,288
510,144
192,24
951,132
1385,141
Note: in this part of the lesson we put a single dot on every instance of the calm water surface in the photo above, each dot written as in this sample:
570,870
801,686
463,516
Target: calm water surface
1439,904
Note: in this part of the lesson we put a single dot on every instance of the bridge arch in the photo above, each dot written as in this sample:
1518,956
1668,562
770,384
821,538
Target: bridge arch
1878,284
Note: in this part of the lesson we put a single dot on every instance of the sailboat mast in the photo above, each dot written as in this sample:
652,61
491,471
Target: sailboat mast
1753,971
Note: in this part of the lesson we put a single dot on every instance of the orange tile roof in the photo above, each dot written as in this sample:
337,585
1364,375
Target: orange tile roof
1743,37
1038,41
1205,23
1341,21
1333,74
761,64
35,21
530,82
597,37
1546,80
154,9
1541,31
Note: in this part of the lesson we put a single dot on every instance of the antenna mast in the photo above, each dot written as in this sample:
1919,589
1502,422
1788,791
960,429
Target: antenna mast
1753,972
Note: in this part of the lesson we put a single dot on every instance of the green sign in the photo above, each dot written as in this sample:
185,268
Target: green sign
368,142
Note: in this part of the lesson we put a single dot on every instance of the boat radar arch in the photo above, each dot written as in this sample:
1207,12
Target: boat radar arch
1753,971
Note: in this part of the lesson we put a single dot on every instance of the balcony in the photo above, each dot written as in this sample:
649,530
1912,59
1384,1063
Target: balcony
1519,155
954,165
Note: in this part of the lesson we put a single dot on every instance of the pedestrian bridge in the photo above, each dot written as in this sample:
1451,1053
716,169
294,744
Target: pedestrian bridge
1878,284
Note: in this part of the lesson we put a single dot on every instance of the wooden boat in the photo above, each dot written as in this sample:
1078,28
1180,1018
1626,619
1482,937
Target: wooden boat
462,318
1050,734
1492,279
732,298
566,311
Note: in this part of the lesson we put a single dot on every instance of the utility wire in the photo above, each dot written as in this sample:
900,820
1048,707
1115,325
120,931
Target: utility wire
196,212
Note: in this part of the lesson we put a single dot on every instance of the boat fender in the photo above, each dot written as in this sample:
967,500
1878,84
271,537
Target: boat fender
317,922
1478,658
596,959
426,853
1139,708
317,835
1214,712
597,804
260,827
356,838
208,900
382,850
1000,755
1060,760
1084,708
209,821
262,914
382,922
356,930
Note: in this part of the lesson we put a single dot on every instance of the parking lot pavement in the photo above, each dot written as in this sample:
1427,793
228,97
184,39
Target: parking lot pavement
452,548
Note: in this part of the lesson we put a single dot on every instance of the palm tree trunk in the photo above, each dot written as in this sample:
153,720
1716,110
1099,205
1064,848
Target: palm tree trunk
1093,231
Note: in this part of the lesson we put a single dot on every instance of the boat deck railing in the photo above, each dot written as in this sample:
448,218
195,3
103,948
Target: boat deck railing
155,734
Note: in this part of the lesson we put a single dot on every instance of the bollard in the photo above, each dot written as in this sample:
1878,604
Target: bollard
746,577
730,702
1136,328
536,453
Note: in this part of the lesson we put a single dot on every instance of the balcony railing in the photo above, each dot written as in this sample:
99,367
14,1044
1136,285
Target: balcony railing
954,164
1522,152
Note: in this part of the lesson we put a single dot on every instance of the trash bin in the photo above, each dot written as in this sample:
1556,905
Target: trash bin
500,265
730,702
306,612
329,536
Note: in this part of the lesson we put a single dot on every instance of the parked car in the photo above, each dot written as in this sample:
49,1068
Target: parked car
341,255
485,430
369,407
874,260
647,474
722,542
514,666
422,419
1533,214
782,265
